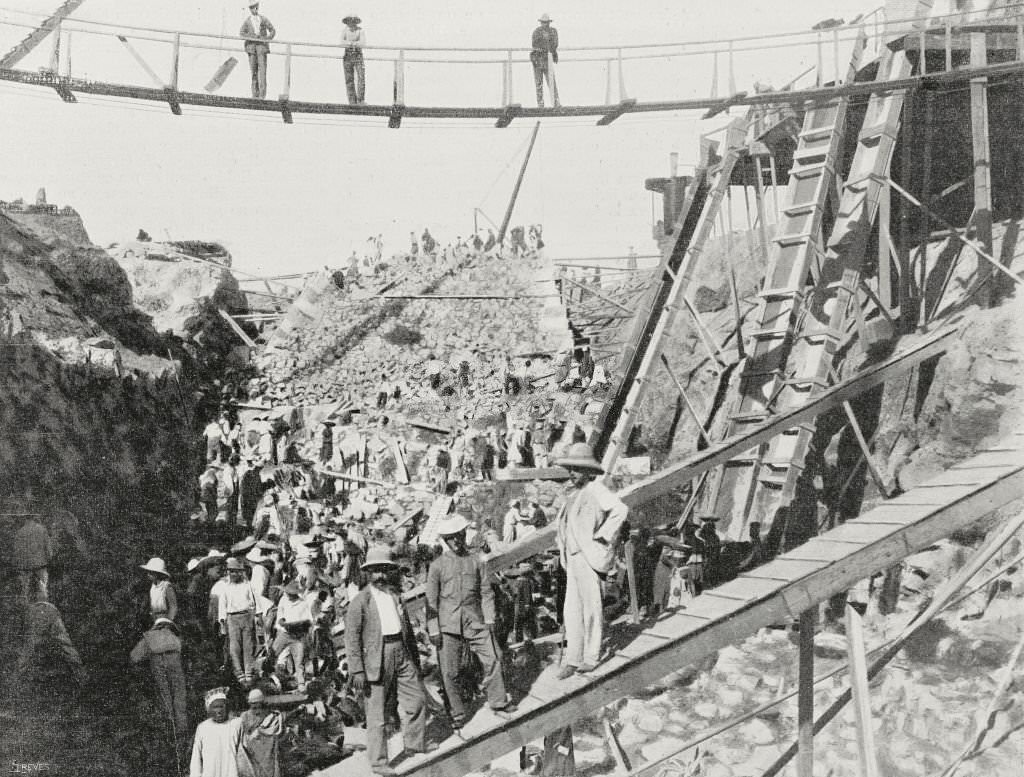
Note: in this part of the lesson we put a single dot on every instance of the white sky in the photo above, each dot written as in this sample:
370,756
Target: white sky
289,198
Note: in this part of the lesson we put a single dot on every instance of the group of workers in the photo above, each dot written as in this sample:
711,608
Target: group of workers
257,31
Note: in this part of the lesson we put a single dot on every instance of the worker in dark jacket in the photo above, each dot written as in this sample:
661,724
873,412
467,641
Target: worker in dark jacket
257,32
460,612
543,57
383,660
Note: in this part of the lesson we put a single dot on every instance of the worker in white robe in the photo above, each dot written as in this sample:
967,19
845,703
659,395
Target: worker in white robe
217,738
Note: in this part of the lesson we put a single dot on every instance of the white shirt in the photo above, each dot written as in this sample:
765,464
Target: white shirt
235,597
353,38
213,431
390,620
291,612
213,753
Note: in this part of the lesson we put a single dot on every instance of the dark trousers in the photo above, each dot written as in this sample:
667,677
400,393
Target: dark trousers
541,74
480,642
355,76
258,68
399,681
382,399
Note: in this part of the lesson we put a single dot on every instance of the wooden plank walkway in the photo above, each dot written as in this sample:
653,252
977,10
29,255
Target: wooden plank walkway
778,591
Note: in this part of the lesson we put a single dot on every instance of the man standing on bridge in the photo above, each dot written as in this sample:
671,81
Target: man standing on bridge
586,530
353,39
544,57
257,32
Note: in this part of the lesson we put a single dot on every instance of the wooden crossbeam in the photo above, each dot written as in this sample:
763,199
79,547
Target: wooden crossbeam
236,328
38,35
617,111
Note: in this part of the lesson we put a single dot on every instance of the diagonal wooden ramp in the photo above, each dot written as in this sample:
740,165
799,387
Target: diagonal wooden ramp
778,591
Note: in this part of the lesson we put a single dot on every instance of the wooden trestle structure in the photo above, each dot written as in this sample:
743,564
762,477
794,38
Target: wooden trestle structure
840,278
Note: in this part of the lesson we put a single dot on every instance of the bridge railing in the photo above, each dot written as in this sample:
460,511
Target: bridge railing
486,76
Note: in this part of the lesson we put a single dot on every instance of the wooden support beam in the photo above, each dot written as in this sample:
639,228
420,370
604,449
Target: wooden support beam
926,194
38,35
982,161
616,112
884,247
590,290
686,401
909,297
629,551
857,657
143,64
236,328
511,111
805,693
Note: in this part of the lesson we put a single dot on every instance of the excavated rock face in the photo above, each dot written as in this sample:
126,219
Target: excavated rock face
176,288
98,438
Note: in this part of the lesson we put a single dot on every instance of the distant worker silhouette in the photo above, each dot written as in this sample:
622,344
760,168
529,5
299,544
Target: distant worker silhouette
258,32
353,39
543,57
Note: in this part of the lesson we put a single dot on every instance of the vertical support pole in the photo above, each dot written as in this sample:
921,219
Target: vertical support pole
401,78
286,94
732,71
949,45
857,657
923,43
1020,40
622,80
634,598
805,694
504,84
884,248
511,95
817,75
608,83
838,77
762,228
175,62
714,76
55,52
775,186
908,296
926,196
67,55
982,161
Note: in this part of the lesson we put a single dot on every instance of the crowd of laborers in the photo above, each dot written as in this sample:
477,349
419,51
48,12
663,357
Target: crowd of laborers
315,599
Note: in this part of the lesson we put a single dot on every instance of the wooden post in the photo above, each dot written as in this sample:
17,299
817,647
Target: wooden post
622,80
982,161
923,43
884,249
511,95
504,85
732,71
714,78
634,598
55,52
805,694
519,182
775,186
286,94
400,79
175,62
908,297
762,228
949,45
926,195
857,657
67,55
835,57
608,83
818,76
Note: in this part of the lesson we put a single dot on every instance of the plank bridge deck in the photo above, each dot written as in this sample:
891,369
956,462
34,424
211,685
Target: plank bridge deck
775,592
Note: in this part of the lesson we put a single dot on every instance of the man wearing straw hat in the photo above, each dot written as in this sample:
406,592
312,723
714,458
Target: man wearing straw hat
257,32
383,660
460,609
353,38
586,530
543,56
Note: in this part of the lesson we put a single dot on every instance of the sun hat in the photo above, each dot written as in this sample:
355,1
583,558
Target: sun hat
235,564
452,524
243,546
379,556
544,18
156,566
255,696
580,456
352,18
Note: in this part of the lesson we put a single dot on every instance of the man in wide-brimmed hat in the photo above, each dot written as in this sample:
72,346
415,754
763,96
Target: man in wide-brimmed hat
383,660
587,528
353,38
460,611
543,55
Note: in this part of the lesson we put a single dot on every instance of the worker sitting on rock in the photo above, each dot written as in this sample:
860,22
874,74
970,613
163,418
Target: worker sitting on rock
460,602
